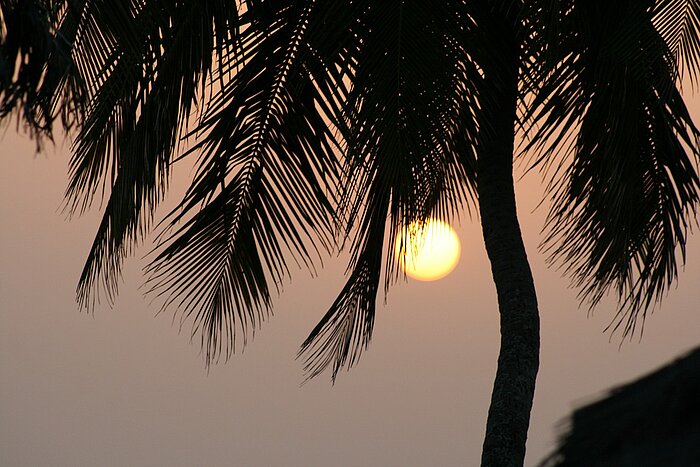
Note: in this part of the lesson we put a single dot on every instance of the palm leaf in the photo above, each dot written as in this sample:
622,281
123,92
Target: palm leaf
409,130
624,184
678,23
38,78
266,170
146,71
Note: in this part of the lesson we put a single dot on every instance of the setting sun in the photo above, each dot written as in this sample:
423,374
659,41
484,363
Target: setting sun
427,251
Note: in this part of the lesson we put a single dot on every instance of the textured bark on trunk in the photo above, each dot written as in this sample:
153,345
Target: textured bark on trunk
518,361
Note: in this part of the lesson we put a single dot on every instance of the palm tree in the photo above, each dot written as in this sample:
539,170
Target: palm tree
314,124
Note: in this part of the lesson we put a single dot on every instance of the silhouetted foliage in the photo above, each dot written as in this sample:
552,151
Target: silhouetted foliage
313,125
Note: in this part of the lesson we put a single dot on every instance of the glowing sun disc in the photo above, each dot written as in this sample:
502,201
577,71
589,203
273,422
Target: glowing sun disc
427,251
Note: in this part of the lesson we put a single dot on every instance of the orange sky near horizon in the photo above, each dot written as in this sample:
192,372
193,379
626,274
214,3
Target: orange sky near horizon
122,387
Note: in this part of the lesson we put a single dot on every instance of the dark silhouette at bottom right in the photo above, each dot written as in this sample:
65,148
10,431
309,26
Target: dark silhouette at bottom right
653,421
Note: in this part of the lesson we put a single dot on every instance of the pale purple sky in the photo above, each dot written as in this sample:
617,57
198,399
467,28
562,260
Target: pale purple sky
123,388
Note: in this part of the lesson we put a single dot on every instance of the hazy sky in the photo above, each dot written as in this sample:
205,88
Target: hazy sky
123,388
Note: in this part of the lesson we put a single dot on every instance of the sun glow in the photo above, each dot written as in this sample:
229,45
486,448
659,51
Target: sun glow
427,251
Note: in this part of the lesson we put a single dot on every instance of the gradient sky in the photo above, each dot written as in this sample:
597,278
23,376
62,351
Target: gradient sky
123,388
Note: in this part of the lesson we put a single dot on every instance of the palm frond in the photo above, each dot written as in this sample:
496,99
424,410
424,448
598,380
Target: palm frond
264,186
678,23
624,185
38,78
345,331
147,62
409,127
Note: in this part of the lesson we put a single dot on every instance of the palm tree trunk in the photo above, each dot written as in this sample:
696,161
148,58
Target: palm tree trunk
518,361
